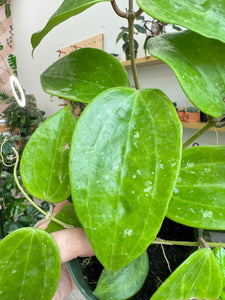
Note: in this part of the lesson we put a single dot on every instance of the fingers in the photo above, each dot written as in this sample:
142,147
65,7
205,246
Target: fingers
72,243
65,286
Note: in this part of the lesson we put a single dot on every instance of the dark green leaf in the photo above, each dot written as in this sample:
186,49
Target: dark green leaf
125,29
199,277
140,18
199,195
44,163
10,226
67,215
123,170
125,38
198,63
119,37
67,9
83,74
25,220
177,28
124,283
205,17
140,28
29,265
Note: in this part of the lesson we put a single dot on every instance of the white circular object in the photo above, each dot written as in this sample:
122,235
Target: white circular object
14,82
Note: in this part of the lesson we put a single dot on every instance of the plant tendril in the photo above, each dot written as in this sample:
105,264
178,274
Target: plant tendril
47,215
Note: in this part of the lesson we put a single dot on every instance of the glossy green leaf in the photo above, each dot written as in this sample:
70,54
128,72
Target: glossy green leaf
124,162
67,215
44,163
198,277
29,265
204,16
83,74
67,9
219,253
199,195
198,63
124,283
139,28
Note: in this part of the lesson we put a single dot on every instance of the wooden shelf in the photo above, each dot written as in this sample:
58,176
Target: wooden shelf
143,62
199,125
3,128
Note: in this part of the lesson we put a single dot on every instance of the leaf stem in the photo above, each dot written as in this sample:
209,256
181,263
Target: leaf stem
184,243
131,17
211,122
46,214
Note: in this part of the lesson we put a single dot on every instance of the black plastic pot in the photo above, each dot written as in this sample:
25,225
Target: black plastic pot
76,274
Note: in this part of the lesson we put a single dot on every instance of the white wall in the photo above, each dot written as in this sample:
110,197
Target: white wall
30,16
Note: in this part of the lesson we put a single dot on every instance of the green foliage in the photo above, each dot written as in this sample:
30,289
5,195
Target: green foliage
114,175
198,198
198,277
29,258
16,211
123,160
67,215
67,9
220,256
124,283
198,63
204,17
192,109
51,182
87,72
15,118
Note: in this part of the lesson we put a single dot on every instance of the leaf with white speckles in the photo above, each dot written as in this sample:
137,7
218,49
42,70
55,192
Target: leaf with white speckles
30,265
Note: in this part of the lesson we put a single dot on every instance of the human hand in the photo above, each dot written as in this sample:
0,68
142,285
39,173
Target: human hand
72,243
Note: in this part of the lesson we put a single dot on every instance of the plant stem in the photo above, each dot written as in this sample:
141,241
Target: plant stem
131,17
119,12
46,214
211,122
182,243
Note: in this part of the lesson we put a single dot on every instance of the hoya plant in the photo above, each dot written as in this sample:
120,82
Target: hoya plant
123,162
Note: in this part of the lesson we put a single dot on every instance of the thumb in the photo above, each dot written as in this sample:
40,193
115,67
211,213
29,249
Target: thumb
72,243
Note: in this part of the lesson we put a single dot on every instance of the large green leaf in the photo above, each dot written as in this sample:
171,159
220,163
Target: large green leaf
199,195
83,74
220,256
199,277
124,283
44,163
67,215
199,64
67,9
124,162
29,265
205,17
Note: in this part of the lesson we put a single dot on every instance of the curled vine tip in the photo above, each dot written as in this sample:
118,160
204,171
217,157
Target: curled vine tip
8,157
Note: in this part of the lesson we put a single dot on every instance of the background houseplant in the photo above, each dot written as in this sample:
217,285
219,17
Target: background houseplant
192,114
127,170
16,211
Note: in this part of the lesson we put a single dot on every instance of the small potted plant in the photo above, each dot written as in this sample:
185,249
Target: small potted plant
192,115
123,164
181,113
